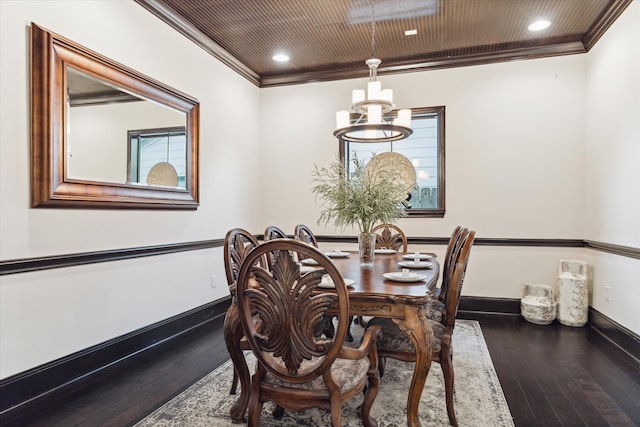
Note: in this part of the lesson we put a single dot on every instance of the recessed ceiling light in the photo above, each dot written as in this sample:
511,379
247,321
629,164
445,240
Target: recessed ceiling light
538,25
410,32
280,57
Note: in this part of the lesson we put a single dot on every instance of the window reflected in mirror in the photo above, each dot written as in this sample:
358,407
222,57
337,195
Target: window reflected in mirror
103,119
157,157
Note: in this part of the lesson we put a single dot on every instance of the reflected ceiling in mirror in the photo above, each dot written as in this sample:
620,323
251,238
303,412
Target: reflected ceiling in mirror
104,135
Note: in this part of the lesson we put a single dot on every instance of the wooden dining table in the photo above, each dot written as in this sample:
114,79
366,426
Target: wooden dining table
371,294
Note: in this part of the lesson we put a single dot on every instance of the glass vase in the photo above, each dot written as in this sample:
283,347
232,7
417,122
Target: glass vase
366,248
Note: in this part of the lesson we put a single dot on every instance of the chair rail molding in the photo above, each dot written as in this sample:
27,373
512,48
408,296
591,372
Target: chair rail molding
25,265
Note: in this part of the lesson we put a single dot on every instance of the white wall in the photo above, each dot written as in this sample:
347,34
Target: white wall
545,148
49,314
514,159
613,166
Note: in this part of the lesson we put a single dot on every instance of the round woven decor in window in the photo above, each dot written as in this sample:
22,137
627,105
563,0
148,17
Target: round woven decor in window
395,162
163,173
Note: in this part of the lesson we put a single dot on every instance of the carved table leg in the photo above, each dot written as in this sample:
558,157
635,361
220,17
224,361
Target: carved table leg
232,335
416,326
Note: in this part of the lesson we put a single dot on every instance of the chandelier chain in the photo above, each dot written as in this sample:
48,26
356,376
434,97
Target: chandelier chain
373,28
372,70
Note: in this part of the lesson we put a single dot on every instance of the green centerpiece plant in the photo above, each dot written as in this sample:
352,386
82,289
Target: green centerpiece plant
364,198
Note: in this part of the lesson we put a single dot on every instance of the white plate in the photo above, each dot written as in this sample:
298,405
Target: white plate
328,284
334,254
306,269
309,261
413,264
385,251
421,256
397,276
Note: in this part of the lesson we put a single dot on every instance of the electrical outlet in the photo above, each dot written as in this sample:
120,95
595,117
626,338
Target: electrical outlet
213,281
607,298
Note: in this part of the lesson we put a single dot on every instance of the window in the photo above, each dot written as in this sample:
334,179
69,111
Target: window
151,146
425,149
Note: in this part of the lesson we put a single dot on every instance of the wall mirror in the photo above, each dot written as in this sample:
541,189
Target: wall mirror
104,135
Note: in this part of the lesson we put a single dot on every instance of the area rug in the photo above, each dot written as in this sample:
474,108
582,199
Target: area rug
479,400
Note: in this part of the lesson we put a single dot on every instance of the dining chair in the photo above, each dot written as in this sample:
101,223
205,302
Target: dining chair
274,232
237,244
304,234
435,307
389,236
270,233
386,239
452,250
295,368
395,344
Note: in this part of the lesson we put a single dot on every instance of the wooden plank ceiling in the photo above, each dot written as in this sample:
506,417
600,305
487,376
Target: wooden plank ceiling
331,39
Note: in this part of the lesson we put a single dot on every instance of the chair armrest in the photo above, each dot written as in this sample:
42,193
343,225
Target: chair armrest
253,284
367,345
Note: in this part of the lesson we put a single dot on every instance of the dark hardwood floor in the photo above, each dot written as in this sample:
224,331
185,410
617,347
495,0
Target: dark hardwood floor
551,376
561,376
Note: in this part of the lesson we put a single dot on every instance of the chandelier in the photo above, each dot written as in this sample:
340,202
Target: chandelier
372,108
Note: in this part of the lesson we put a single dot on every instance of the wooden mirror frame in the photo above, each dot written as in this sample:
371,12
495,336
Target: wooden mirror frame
50,185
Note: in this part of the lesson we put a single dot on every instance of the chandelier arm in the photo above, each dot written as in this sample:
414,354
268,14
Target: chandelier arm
359,119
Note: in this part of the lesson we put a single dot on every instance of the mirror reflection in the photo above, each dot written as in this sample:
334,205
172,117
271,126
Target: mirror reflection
117,137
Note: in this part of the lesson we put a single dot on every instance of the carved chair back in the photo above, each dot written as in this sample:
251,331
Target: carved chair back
296,367
289,307
459,268
389,236
453,251
270,233
304,234
274,232
237,244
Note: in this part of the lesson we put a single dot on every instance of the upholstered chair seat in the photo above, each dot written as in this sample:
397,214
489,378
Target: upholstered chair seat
393,338
346,373
434,310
